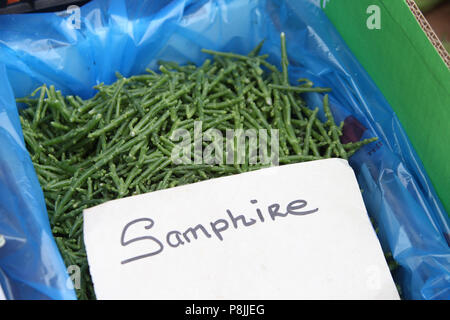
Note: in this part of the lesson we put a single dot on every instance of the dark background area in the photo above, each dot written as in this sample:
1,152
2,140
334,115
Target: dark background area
438,15
26,6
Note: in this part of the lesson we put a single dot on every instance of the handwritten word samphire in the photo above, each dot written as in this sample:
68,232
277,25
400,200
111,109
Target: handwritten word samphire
175,238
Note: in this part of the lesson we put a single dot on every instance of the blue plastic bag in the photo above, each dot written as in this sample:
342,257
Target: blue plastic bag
130,36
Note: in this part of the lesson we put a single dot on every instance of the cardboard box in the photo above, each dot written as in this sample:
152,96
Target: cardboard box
410,66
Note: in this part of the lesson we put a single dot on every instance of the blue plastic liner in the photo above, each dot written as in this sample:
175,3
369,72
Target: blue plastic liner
130,36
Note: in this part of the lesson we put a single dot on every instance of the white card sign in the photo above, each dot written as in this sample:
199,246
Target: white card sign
2,294
291,232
